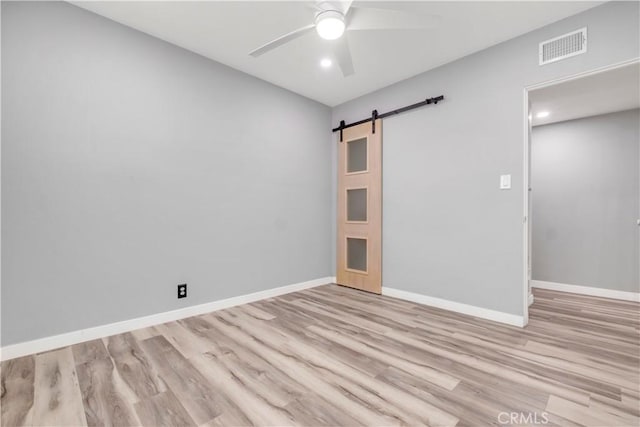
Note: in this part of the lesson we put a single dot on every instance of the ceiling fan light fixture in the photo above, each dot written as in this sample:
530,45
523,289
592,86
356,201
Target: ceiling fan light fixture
330,24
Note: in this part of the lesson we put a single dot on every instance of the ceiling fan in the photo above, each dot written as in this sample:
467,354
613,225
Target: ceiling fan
332,18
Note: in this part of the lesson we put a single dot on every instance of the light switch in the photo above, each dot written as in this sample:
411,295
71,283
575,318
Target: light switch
505,182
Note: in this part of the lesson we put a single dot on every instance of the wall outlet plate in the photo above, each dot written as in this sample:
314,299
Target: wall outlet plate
182,290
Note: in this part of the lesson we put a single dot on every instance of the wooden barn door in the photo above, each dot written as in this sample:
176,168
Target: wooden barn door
359,263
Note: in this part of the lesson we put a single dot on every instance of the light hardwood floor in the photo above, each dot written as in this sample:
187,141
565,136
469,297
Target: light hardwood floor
336,356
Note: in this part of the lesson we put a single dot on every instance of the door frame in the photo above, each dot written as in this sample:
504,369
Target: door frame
526,169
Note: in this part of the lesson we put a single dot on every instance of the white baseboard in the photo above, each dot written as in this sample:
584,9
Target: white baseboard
75,337
471,310
587,290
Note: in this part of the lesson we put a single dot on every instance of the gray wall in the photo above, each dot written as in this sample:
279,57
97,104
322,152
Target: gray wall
585,182
130,165
448,231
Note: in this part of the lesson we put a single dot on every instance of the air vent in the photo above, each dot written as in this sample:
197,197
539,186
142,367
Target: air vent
565,46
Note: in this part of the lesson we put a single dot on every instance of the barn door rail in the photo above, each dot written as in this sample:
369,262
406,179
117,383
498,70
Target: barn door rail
375,115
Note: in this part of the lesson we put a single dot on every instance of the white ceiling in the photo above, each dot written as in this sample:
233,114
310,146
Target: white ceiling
228,31
602,93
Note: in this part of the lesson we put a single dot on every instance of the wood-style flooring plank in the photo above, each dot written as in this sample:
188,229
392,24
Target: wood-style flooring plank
133,366
17,391
105,404
58,401
163,409
89,351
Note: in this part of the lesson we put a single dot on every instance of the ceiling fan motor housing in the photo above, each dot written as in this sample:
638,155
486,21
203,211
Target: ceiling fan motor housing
330,24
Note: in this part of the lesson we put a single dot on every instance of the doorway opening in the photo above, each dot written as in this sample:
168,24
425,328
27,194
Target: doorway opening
582,185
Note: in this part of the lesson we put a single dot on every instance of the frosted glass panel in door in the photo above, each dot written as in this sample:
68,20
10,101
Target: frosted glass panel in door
357,155
357,204
357,254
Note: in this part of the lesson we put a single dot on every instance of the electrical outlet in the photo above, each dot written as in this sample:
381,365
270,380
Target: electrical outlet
182,290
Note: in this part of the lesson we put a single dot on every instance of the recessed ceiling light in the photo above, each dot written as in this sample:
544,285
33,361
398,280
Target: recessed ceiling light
542,114
326,63
330,24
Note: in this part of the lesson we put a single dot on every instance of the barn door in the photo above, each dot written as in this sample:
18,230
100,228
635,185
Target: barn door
359,263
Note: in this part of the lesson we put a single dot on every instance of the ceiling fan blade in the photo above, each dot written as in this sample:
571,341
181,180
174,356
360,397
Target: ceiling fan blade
342,54
339,5
346,6
402,6
386,19
282,40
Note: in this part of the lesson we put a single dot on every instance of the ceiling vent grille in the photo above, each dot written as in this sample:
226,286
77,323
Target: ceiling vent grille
565,46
